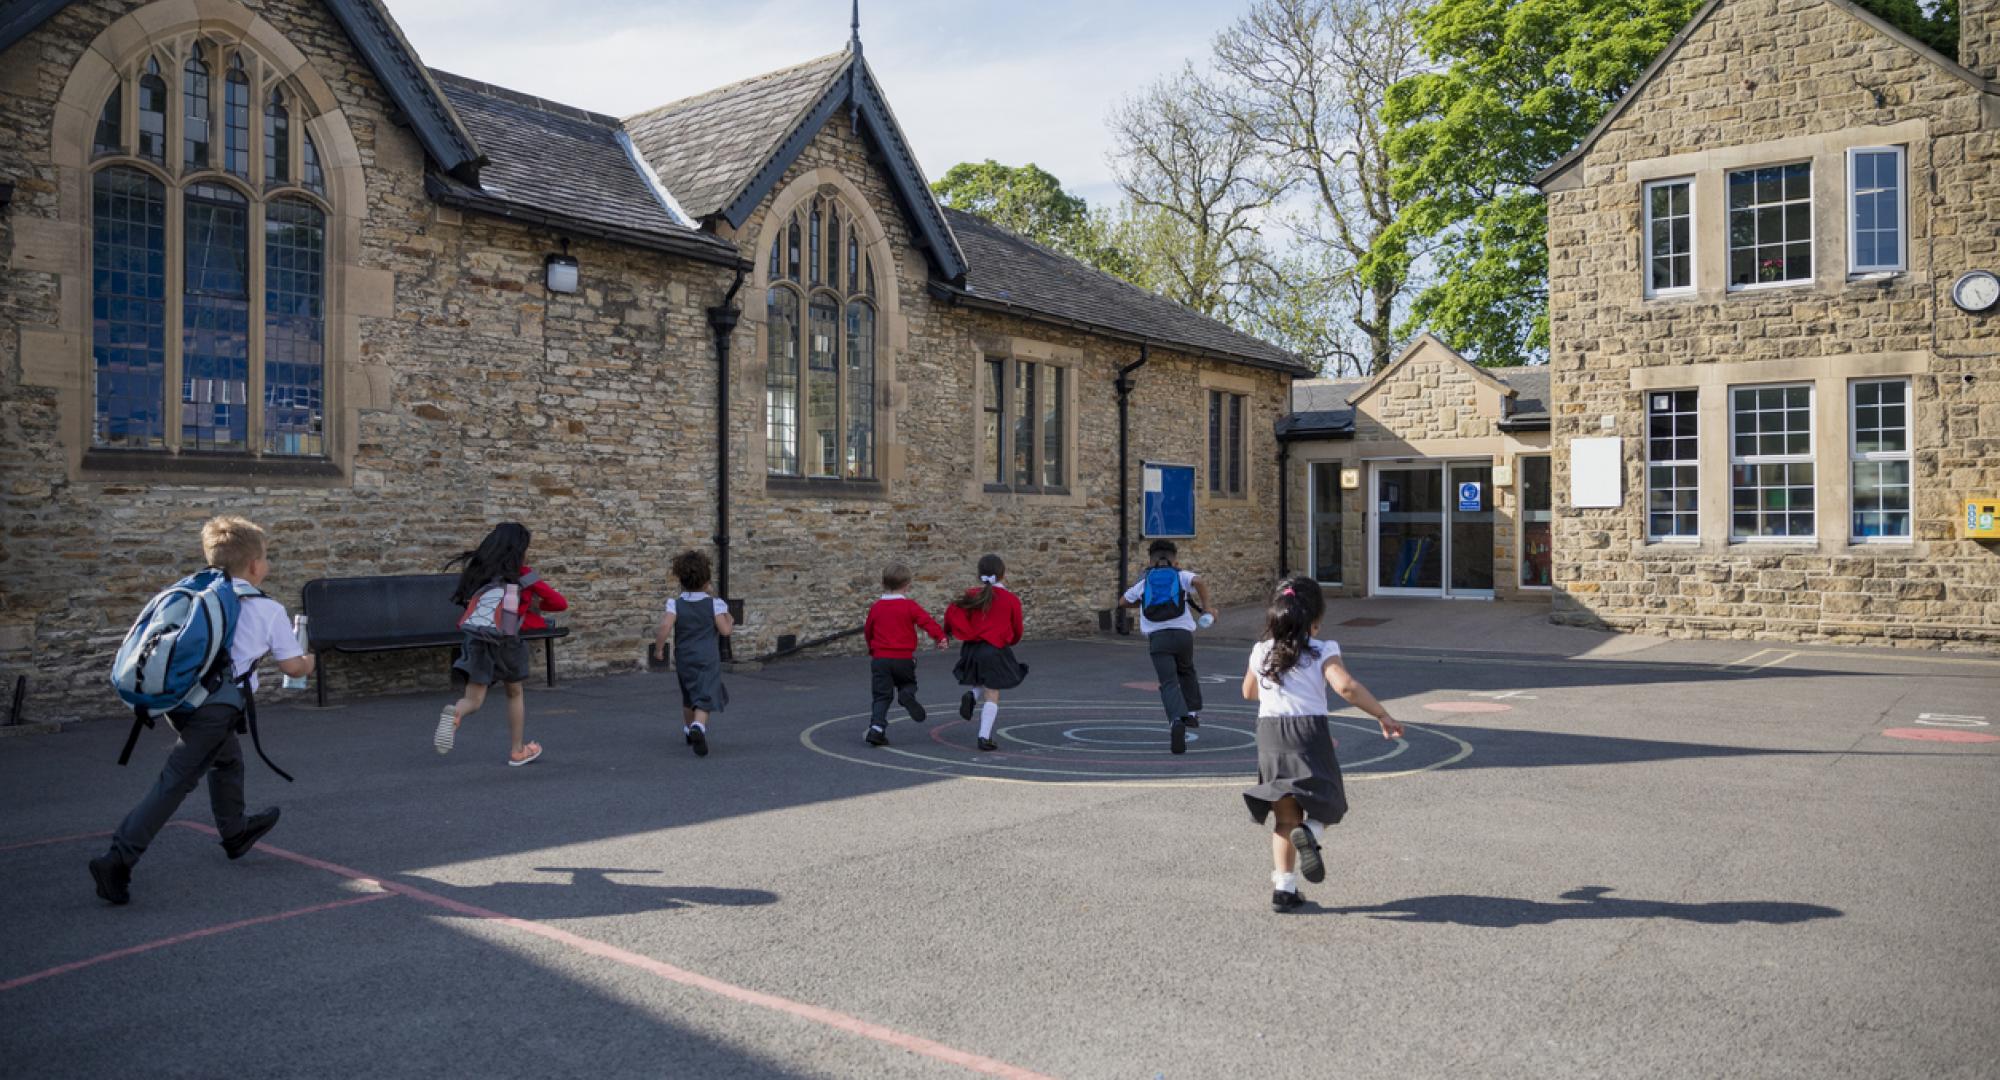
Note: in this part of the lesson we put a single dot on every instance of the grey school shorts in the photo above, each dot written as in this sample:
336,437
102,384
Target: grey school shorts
486,660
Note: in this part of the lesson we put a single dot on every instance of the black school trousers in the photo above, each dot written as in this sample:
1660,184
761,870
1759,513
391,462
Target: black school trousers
1173,662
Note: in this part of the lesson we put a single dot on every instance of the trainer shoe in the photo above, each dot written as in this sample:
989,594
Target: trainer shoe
1282,902
988,744
698,738
877,736
113,879
1192,720
254,828
447,729
965,705
1311,866
1177,737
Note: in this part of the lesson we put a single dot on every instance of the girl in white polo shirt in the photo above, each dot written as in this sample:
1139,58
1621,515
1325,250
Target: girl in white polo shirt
1298,776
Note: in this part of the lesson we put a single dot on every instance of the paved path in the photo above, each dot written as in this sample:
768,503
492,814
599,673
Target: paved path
1697,859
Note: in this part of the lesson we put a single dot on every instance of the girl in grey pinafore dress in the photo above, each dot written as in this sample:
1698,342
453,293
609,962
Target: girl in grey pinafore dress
697,622
1298,775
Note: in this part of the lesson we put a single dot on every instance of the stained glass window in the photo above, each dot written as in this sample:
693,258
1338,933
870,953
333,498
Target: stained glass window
819,349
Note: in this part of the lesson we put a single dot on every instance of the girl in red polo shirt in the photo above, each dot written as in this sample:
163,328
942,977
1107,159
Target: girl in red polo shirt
988,620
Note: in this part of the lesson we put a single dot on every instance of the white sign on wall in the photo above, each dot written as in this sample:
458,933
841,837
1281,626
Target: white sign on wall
1596,472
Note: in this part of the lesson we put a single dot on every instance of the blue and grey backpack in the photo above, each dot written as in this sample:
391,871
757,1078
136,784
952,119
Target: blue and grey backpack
176,656
1163,599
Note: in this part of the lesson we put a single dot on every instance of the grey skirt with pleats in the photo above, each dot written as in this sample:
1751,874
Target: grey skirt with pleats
1295,757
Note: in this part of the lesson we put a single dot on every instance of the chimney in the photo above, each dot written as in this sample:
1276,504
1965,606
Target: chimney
1979,37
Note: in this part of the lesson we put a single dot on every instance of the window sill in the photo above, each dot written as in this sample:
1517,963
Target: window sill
1771,286
824,487
1023,489
1688,293
205,468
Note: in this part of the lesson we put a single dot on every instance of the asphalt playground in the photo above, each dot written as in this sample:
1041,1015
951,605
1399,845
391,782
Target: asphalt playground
1654,859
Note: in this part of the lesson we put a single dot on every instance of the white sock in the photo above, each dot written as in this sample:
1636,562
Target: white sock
1284,881
1318,831
988,712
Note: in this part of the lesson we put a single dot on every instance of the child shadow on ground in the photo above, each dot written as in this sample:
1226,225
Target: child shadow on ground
593,892
1589,902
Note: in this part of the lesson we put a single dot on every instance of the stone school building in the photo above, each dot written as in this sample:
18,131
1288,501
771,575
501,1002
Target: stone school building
256,257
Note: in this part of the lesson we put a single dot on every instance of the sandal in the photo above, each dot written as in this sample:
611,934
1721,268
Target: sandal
528,753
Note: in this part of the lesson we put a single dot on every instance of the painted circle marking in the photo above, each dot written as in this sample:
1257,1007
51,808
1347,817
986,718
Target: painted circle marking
1468,706
1237,761
1948,735
1148,686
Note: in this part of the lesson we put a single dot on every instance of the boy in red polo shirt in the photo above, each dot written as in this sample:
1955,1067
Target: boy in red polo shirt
891,631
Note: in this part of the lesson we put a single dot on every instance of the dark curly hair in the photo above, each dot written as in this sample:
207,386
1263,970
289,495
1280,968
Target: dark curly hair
1296,607
693,570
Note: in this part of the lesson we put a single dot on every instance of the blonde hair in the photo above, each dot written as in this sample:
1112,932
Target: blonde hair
232,543
896,576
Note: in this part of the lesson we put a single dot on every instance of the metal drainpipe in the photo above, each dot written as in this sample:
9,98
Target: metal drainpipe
1125,384
1284,509
722,320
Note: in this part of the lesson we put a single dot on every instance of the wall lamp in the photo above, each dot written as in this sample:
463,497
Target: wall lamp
561,269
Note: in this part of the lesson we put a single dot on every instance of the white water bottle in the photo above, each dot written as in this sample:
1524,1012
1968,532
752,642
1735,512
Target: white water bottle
298,682
1205,621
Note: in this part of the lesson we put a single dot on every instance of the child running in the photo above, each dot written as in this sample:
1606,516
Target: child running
1298,776
891,632
697,622
500,593
1166,617
988,620
207,745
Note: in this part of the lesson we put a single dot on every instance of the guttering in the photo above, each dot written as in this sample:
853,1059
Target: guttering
1284,509
1124,386
958,297
722,321
713,252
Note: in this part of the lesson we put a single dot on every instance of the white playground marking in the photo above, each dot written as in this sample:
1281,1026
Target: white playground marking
1951,720
952,769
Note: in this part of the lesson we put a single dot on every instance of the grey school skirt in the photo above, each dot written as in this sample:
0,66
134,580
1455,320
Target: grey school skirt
1295,757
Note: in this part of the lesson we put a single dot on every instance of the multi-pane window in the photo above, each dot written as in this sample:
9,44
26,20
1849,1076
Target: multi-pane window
1537,522
1025,440
181,361
1771,462
1875,209
1672,465
1225,443
1880,465
1669,236
819,382
1770,225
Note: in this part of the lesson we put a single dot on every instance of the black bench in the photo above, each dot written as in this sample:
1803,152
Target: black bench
384,614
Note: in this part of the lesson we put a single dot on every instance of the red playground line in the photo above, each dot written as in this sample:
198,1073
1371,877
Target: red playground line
853,1025
54,840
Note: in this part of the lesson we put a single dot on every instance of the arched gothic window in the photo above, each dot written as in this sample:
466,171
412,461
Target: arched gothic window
819,349
208,287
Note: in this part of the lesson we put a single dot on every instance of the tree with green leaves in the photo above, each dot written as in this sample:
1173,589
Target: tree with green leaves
1029,201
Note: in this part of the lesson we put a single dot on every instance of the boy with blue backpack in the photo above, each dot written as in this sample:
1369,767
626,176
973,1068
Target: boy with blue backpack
192,657
1167,618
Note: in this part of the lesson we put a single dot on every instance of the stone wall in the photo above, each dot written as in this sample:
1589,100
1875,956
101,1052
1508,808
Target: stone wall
474,396
1979,37
1765,82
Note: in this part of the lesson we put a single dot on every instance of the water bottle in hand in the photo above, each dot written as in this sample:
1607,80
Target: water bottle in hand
298,682
1205,621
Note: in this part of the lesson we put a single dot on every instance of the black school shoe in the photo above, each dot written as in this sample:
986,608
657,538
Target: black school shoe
965,706
1282,902
988,744
1192,721
113,879
916,709
877,736
254,828
1311,866
1177,736
698,739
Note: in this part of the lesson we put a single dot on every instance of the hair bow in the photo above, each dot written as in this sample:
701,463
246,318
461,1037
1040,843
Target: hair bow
1287,592
989,579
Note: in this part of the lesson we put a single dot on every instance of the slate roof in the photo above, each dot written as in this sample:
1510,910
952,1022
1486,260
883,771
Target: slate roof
1320,408
707,147
1531,394
564,167
1012,274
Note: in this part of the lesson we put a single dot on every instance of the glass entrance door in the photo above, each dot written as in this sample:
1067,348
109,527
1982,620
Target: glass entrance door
1409,529
1433,529
1325,514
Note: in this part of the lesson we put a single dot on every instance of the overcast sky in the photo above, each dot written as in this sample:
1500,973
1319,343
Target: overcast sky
1021,81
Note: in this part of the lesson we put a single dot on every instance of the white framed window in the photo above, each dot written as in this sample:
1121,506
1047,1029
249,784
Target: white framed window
1876,195
1879,459
1673,466
1669,236
1770,226
1225,443
1771,474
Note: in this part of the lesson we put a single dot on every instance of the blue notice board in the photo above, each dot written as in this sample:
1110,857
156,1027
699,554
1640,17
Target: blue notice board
1167,498
1468,497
